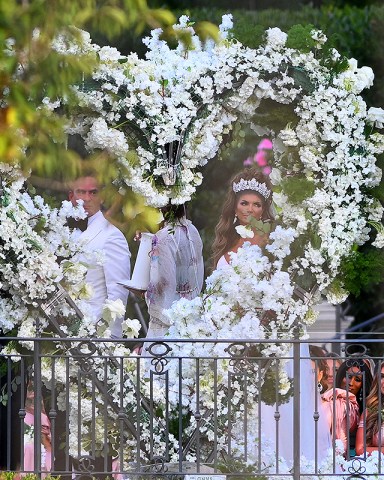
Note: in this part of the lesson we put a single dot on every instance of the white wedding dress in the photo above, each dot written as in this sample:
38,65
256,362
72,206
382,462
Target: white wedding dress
274,435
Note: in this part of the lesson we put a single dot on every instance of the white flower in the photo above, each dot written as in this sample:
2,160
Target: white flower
376,117
276,37
336,293
131,328
357,79
226,24
289,137
319,37
280,200
379,240
113,309
244,232
275,176
51,105
100,136
109,54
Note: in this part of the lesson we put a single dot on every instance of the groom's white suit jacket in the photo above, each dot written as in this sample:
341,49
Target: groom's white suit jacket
107,256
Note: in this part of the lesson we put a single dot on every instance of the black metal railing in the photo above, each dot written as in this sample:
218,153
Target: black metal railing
95,412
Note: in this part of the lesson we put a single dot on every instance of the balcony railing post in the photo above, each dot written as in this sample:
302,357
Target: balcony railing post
37,388
337,348
296,407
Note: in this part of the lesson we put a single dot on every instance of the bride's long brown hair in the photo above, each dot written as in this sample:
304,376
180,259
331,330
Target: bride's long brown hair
226,236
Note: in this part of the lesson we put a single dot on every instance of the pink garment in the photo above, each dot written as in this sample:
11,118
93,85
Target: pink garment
29,464
261,159
375,439
337,398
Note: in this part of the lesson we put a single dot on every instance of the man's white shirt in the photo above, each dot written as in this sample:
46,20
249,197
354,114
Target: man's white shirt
107,256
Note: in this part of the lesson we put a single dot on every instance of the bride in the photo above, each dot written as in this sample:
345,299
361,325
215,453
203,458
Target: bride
249,206
249,197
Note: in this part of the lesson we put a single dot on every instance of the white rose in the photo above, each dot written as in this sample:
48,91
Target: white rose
244,231
376,117
131,328
113,309
361,77
365,77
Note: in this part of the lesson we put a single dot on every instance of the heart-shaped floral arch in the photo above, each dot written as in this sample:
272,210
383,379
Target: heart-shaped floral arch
164,117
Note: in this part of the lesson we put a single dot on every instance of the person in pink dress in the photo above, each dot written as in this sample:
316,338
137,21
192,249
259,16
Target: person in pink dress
29,448
345,402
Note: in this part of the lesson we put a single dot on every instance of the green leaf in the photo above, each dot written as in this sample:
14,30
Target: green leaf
299,37
301,79
362,270
297,189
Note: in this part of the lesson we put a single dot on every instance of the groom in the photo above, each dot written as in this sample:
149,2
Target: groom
107,257
101,237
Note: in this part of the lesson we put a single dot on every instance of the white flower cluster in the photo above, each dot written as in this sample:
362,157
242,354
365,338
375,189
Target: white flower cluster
173,106
161,119
32,237
236,305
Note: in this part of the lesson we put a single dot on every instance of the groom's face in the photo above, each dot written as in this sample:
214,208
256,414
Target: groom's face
88,190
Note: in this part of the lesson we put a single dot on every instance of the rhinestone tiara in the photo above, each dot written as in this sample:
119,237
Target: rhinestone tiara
251,185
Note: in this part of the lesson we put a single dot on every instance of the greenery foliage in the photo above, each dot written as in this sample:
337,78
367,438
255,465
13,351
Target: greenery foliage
299,36
31,70
362,270
297,189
